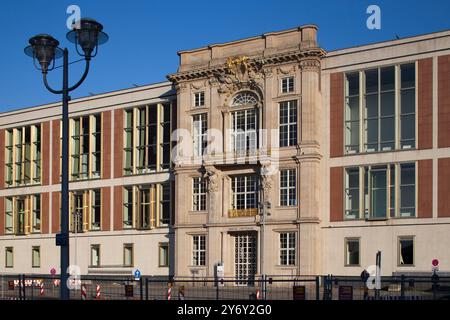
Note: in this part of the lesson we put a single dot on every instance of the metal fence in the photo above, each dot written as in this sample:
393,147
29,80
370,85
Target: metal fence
271,287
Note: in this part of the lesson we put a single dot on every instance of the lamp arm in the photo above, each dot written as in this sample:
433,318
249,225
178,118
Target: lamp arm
86,71
44,77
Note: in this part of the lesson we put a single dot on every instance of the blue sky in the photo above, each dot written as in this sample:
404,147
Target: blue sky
145,35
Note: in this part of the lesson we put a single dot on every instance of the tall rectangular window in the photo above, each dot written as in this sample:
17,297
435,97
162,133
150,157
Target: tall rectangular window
386,191
387,108
128,255
95,255
352,122
245,192
200,126
288,187
352,193
288,123
85,210
198,194
406,251
352,252
164,204
287,85
244,134
9,257
199,99
408,106
163,256
288,248
85,149
128,207
147,132
23,214
199,250
23,156
36,257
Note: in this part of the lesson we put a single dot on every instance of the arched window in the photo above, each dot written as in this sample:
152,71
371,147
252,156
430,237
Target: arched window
244,98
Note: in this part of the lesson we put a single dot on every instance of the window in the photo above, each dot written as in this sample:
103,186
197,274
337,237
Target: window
287,85
384,191
85,149
200,126
198,250
288,123
244,98
23,156
163,254
406,251
244,133
384,100
352,113
128,255
352,252
23,214
85,208
199,99
95,255
164,204
147,132
288,245
9,257
245,192
198,194
352,193
36,257
288,190
147,206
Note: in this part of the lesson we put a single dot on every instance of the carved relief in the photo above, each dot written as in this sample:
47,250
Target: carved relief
310,65
181,87
266,172
198,85
213,179
286,70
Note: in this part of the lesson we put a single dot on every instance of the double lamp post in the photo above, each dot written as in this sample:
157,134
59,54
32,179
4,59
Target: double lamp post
87,35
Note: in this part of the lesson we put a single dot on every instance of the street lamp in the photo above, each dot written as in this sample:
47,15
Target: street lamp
44,49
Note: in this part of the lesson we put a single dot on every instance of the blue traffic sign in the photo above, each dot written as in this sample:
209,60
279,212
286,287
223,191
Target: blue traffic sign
137,274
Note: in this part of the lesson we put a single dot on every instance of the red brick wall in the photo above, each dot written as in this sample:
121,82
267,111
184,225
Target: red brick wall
444,187
56,212
336,114
45,145
2,216
2,159
118,143
55,151
106,145
336,194
45,214
106,208
118,212
444,101
425,104
425,189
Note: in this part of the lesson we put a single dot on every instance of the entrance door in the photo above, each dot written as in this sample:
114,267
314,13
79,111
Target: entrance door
245,258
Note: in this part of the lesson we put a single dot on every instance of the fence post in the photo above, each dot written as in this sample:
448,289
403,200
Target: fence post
434,281
402,287
141,289
146,289
317,288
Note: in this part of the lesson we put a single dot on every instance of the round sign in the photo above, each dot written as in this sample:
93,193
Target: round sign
435,262
52,271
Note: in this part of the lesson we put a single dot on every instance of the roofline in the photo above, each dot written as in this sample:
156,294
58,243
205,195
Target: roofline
222,44
92,97
393,41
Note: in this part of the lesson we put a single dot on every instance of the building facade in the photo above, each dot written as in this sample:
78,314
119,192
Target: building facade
120,184
267,155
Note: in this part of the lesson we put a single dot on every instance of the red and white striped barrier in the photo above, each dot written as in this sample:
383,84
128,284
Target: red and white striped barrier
258,295
41,291
56,282
97,295
169,293
83,292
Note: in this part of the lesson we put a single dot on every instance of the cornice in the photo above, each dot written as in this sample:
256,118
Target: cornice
256,63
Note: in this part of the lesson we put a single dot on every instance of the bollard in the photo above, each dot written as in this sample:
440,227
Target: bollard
97,295
83,292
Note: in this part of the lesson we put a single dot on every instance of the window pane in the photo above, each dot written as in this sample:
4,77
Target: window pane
387,78
352,252
388,133
387,104
379,197
406,252
408,75
408,101
372,106
353,83
371,80
408,127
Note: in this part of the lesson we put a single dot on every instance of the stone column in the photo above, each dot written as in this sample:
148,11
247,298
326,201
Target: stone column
310,173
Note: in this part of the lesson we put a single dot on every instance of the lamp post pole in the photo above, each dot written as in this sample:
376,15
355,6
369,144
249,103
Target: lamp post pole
88,36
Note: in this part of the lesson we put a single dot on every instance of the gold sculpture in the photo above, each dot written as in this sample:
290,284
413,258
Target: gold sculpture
237,64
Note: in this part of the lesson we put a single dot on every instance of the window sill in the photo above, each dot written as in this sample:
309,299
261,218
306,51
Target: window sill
198,212
286,207
282,266
352,266
363,153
